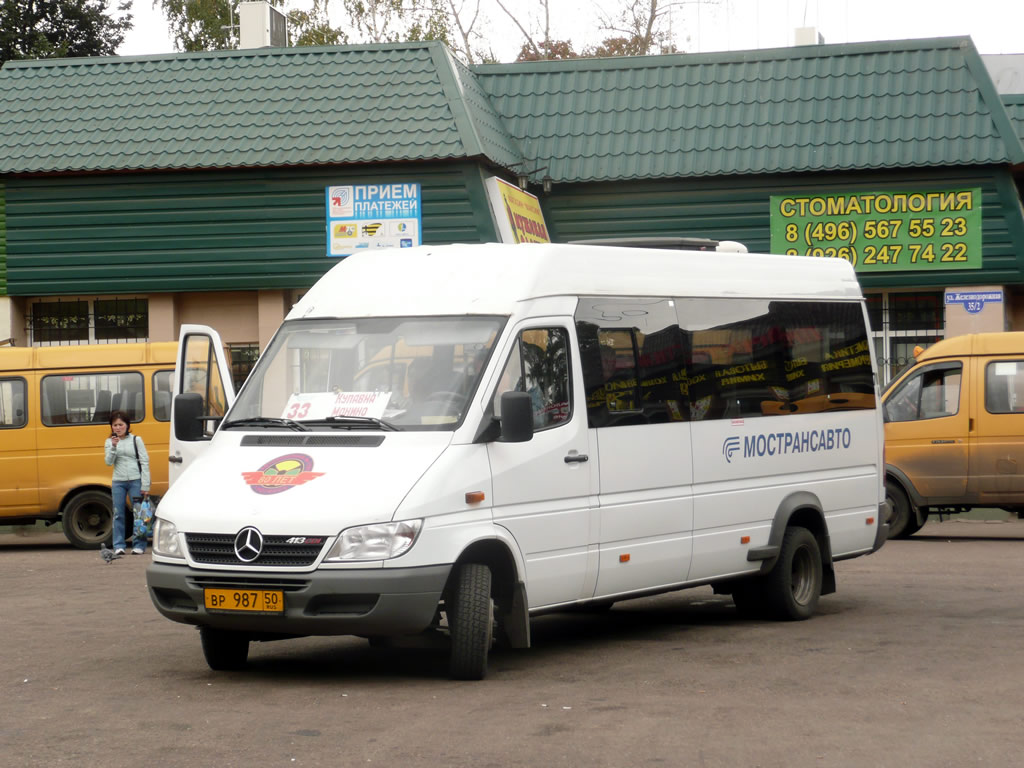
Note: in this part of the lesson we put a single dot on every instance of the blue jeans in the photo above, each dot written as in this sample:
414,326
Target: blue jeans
120,490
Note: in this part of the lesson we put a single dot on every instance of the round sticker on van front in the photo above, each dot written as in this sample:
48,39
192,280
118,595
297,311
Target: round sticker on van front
282,473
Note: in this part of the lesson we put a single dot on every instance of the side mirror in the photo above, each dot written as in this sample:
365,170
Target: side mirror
188,414
516,417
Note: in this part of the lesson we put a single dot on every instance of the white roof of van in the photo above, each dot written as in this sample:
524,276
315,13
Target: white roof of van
492,278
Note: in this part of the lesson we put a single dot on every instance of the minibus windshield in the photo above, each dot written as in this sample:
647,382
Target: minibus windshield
367,373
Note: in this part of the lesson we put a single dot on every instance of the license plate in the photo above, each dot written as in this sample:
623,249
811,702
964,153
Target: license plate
252,600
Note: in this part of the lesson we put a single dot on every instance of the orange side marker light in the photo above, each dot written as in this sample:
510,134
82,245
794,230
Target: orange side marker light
744,539
623,558
474,497
870,521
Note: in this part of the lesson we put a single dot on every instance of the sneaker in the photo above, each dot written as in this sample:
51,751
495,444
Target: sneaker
118,551
138,551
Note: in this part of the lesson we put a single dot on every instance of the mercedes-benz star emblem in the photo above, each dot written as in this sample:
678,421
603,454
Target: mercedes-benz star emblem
248,544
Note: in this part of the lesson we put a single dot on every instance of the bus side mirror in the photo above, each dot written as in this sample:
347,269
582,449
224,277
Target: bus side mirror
516,417
188,414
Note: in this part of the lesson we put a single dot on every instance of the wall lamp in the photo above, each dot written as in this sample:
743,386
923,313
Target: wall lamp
523,178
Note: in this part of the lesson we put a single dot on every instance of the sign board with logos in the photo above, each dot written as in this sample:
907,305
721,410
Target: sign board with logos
361,216
517,213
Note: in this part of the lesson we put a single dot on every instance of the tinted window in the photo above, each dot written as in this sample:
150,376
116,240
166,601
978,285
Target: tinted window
650,360
90,398
634,361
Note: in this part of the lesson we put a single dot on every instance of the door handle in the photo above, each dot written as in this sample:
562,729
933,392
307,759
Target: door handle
576,458
175,459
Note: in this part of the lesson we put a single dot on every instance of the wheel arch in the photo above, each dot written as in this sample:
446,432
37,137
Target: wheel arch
507,587
804,509
82,489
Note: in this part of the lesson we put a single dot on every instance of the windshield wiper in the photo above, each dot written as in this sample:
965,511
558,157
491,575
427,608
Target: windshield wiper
266,421
368,421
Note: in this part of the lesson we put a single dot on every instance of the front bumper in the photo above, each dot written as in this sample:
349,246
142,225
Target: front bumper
377,602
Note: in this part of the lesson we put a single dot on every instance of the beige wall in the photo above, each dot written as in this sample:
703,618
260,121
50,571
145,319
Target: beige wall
5,320
233,315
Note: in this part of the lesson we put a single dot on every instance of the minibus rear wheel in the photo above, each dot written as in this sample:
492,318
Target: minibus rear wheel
470,610
793,586
224,650
88,519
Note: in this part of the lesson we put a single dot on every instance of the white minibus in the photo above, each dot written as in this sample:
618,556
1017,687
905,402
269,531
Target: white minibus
442,442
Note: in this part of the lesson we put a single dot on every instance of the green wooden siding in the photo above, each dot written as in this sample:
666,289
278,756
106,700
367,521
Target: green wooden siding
720,209
3,242
195,231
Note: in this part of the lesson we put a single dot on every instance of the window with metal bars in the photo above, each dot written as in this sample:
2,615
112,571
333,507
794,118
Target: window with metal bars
84,321
902,321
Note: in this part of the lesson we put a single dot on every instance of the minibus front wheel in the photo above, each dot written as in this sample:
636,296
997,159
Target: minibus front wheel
88,519
470,610
224,650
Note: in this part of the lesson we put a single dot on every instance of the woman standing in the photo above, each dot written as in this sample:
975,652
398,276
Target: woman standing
127,454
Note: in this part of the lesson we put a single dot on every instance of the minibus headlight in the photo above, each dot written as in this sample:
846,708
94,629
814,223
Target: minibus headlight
375,542
165,539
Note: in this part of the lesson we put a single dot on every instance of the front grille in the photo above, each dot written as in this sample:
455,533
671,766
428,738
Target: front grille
278,551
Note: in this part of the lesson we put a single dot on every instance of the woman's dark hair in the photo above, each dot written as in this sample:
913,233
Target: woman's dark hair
115,415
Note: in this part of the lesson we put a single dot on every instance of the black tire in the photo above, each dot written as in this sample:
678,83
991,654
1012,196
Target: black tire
470,612
748,596
901,516
793,586
224,650
88,519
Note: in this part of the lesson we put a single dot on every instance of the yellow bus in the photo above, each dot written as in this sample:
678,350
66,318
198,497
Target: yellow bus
55,405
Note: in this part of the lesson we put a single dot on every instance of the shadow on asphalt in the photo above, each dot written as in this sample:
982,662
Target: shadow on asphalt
328,660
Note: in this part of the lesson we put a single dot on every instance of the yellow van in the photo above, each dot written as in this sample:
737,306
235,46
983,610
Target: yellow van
954,430
55,405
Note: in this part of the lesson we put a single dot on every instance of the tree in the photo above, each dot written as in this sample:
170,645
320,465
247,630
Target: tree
200,25
640,28
314,27
59,28
546,50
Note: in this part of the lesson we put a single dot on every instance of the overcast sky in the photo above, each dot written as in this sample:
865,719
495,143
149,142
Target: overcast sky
997,26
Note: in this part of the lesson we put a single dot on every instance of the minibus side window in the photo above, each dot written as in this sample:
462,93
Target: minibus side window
539,365
162,381
13,412
1004,386
633,357
931,394
90,398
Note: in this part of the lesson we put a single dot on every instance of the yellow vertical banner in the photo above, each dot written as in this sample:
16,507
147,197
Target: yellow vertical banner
517,214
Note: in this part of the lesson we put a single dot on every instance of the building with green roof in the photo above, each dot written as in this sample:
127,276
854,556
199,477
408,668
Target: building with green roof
194,184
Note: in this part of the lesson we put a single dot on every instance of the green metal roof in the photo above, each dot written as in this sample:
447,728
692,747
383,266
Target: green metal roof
248,108
897,104
1015,109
